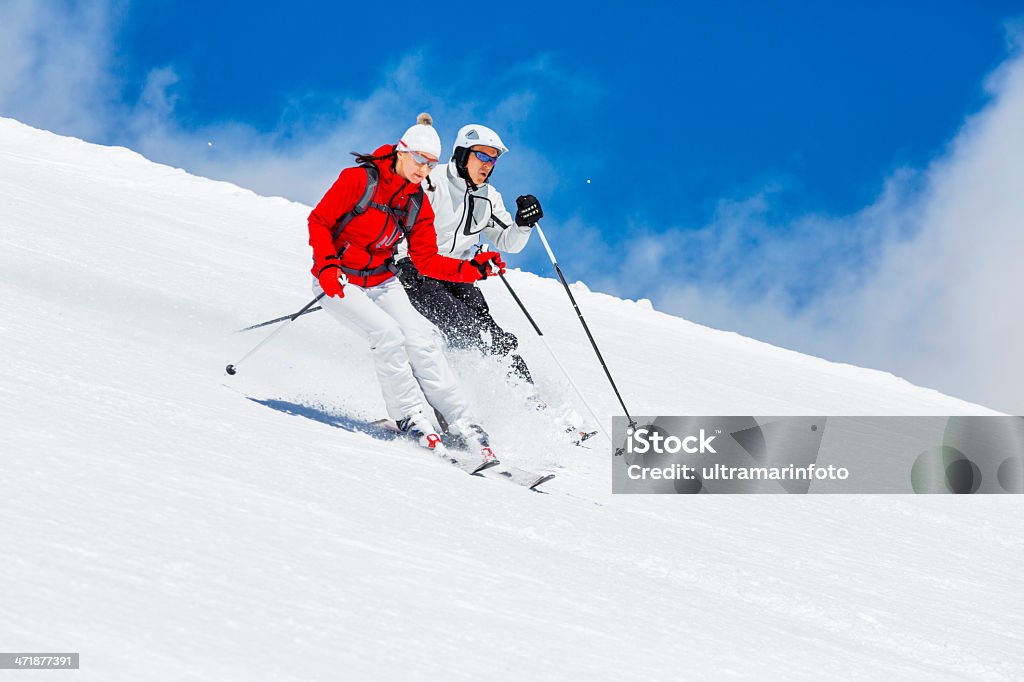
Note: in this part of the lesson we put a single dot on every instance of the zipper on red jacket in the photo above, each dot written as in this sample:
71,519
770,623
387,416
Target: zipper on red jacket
387,217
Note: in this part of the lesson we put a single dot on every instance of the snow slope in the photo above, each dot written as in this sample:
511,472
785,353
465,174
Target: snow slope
171,523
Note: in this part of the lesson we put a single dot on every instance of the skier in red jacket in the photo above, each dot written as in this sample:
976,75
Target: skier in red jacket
353,232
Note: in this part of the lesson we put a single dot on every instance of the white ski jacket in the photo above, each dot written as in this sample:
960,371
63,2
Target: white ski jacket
461,216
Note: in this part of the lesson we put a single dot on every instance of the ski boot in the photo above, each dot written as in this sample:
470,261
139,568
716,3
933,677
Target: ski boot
417,427
569,421
474,438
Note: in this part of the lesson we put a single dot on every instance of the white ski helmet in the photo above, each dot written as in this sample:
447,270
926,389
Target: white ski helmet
475,134
471,135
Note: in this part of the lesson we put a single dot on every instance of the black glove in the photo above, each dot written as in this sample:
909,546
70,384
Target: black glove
408,275
529,211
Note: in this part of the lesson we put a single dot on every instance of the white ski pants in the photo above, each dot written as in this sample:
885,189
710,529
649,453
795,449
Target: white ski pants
406,349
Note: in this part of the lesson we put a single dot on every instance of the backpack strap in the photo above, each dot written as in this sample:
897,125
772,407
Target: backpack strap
365,201
404,219
412,211
387,266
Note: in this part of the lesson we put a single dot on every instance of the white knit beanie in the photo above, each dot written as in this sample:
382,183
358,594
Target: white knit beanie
421,137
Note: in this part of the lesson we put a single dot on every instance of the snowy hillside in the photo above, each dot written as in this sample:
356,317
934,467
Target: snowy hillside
170,522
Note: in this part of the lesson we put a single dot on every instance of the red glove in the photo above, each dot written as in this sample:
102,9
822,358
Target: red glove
330,281
481,266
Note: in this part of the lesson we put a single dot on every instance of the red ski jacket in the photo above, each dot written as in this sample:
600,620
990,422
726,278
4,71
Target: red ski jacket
369,239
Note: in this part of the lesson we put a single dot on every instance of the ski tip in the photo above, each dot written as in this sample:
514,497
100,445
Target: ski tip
581,437
542,480
487,464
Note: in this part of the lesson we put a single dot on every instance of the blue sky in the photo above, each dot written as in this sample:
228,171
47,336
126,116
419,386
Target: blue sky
824,97
750,164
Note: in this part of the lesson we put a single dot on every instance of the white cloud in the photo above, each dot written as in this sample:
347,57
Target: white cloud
946,301
55,73
926,282
54,64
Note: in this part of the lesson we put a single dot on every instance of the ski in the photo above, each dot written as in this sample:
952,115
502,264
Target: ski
461,460
527,479
578,437
468,465
523,477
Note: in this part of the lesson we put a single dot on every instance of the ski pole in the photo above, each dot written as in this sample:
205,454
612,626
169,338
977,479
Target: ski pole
231,369
278,319
554,357
551,255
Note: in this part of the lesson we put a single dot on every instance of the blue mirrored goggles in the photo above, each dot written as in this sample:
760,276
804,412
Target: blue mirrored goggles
485,158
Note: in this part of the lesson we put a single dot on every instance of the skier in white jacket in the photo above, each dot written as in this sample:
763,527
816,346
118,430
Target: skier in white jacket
466,208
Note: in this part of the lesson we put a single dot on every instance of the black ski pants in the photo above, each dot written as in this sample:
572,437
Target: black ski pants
461,313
